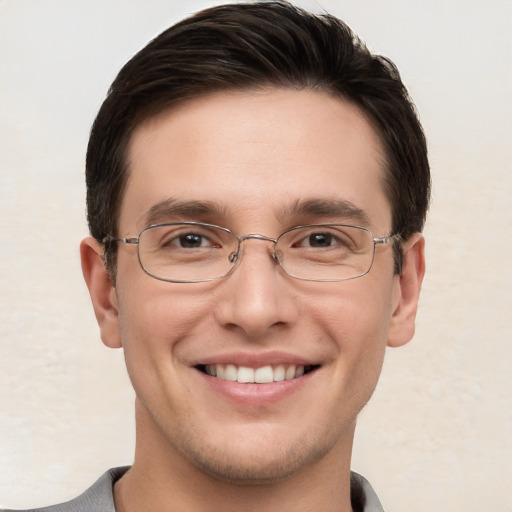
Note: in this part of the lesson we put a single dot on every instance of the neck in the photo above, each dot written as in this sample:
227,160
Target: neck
163,480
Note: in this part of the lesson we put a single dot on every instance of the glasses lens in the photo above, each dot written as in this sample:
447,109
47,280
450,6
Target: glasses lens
326,252
186,252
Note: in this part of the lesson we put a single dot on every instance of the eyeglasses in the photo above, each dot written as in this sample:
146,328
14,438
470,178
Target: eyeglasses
193,252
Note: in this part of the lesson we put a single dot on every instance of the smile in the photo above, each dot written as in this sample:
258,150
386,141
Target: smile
261,375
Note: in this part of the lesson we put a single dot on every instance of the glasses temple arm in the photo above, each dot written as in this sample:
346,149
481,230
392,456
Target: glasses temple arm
387,239
110,238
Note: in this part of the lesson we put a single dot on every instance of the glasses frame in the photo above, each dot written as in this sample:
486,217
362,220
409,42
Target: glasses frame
236,257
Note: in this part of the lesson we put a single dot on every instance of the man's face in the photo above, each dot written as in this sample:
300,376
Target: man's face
252,158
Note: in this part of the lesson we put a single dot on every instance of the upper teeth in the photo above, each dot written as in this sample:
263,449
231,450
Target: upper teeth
262,375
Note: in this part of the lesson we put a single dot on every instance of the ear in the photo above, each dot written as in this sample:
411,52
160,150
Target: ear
407,292
102,292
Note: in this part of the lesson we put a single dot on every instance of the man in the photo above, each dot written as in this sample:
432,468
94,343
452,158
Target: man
257,187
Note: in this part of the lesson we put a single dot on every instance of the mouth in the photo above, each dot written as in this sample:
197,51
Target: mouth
261,375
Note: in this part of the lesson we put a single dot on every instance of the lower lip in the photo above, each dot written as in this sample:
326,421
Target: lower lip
256,395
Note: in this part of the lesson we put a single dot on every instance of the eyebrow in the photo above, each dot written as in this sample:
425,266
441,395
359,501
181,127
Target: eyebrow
171,208
326,208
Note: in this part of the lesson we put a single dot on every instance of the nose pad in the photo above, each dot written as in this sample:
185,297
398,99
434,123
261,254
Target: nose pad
276,256
235,257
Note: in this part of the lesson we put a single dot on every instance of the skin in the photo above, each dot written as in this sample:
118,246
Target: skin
252,153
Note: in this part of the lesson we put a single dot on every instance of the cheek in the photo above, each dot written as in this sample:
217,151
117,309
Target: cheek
356,322
355,313
155,325
155,316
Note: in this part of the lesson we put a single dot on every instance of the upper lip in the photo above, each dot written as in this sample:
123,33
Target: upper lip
255,360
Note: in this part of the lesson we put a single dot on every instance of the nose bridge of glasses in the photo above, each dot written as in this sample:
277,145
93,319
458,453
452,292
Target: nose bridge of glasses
243,238
236,256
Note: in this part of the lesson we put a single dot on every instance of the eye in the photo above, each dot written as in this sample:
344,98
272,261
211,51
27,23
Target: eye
190,240
319,240
339,239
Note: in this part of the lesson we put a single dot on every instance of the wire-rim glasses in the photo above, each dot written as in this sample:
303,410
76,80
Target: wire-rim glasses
192,252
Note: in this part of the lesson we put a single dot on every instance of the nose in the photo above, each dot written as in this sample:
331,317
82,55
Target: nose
257,296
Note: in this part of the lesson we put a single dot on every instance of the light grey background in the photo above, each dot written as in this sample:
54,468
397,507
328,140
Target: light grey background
437,435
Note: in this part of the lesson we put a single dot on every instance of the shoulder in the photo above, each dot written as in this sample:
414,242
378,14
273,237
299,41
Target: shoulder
362,495
98,498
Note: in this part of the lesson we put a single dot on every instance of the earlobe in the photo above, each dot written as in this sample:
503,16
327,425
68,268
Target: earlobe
407,292
102,292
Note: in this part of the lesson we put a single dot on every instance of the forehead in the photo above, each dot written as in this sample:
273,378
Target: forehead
254,154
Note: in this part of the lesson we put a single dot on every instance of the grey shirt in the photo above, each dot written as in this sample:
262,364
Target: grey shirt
100,498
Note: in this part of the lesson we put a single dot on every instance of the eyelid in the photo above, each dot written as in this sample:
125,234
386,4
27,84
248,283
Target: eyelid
335,235
170,233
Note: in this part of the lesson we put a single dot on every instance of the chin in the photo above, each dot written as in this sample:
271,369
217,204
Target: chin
257,464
